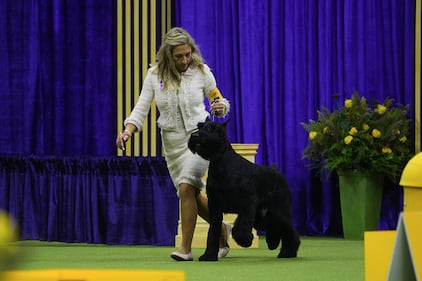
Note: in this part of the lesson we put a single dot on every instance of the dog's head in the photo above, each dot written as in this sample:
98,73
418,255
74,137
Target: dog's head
210,140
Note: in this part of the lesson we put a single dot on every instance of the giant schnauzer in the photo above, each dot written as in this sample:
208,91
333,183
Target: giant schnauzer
259,195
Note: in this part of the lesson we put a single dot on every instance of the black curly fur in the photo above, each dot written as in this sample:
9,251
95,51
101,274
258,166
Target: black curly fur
259,195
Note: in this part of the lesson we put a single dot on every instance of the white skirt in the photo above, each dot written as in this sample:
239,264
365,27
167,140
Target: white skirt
183,165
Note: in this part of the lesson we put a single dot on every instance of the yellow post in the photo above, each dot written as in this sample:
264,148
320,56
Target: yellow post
412,184
390,254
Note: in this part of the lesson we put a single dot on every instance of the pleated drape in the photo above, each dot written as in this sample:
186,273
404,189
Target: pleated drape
113,200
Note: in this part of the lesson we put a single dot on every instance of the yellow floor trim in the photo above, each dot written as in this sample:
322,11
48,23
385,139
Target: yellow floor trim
92,275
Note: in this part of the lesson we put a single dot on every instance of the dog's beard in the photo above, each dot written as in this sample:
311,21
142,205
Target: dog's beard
202,152
197,147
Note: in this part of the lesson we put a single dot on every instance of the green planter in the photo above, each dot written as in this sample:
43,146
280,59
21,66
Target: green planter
360,200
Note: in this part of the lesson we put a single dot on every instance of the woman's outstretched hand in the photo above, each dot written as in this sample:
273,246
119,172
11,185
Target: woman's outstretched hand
122,138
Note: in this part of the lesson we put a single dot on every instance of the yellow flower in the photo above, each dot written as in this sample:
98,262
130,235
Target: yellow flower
348,103
312,135
353,131
326,130
365,127
386,150
403,139
381,109
376,133
348,139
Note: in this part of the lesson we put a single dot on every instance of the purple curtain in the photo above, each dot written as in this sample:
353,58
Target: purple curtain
57,77
278,62
107,200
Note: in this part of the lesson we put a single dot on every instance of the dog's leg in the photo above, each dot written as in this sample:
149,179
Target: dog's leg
285,233
214,232
290,241
272,237
280,225
242,229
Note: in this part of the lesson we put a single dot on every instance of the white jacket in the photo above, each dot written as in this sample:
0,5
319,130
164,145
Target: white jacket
195,86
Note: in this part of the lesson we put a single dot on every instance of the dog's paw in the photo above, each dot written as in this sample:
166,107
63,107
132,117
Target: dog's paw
244,240
272,241
272,245
289,252
284,254
207,257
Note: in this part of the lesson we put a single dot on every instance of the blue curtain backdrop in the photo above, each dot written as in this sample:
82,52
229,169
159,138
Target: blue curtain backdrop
60,177
277,61
280,61
57,77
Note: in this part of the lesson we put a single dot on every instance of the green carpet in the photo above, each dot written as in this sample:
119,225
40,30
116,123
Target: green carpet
318,259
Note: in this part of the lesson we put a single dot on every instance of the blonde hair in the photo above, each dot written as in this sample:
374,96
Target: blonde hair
166,68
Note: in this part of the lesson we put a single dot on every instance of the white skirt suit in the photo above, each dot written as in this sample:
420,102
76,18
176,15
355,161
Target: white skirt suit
180,111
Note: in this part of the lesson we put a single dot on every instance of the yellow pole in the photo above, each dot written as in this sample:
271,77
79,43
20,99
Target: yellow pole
136,73
153,42
128,64
418,14
144,70
119,70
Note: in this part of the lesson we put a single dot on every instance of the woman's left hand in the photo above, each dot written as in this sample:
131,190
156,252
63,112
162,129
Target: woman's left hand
218,108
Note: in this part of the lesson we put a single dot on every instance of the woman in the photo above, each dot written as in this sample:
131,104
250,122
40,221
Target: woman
179,82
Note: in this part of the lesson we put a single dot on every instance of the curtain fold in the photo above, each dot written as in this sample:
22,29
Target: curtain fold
57,82
279,62
113,200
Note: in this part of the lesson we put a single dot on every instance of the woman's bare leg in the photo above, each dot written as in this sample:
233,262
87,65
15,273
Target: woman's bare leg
188,213
192,204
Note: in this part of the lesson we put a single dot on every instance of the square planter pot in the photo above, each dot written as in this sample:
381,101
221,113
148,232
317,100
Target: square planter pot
360,201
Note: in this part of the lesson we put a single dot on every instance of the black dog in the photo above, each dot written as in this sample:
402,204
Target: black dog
258,194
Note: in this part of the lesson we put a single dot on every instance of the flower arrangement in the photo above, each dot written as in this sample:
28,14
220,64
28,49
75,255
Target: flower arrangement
360,137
